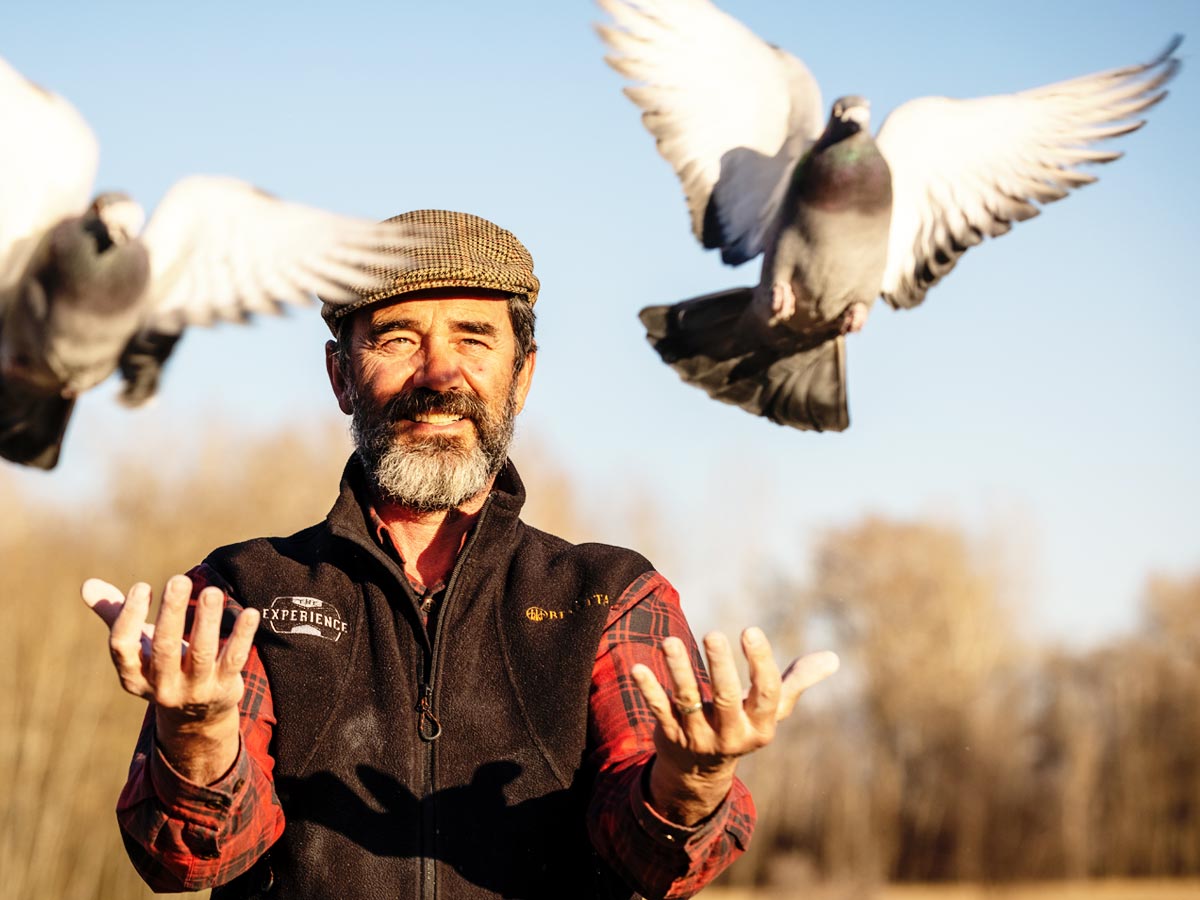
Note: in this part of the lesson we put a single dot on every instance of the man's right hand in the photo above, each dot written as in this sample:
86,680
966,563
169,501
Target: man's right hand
195,685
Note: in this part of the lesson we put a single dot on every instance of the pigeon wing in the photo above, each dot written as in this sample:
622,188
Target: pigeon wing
966,169
730,113
49,158
223,250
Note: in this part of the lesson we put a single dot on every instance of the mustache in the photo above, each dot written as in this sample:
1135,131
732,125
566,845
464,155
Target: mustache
424,400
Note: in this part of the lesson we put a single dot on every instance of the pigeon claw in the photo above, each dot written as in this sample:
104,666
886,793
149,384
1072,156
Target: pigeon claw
783,302
854,317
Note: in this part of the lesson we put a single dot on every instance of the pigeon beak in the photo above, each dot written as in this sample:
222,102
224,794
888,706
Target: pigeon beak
858,115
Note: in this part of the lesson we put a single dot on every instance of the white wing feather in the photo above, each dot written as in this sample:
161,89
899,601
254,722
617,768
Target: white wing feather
220,249
963,169
48,159
730,113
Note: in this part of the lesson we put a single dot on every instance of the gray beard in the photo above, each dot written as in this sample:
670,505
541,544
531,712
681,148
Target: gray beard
434,474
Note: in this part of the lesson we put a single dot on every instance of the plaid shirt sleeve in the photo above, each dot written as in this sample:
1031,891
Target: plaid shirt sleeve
182,836
657,858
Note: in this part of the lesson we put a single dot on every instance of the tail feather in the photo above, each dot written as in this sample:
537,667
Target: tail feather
707,340
141,364
32,425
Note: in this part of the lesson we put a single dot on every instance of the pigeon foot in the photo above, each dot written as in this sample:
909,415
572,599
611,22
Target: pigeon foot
854,317
783,302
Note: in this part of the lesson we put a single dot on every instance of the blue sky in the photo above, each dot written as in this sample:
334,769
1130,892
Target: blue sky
1045,390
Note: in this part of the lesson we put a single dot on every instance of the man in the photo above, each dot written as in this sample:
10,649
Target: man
440,700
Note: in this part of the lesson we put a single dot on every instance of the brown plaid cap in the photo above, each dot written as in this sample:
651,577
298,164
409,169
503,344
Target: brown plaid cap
448,249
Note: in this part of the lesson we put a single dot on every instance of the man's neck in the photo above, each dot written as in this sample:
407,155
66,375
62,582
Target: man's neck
429,542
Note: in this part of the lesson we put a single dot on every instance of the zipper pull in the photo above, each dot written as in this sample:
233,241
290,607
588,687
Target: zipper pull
428,727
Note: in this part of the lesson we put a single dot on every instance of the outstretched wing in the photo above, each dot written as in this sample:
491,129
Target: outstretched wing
963,169
731,113
48,161
221,249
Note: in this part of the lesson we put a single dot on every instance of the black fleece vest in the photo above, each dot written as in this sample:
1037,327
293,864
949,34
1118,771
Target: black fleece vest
412,767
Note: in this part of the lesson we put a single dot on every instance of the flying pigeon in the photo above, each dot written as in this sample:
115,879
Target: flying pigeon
839,218
85,292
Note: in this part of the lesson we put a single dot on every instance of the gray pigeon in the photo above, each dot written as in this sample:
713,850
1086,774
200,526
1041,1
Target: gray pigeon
85,292
839,217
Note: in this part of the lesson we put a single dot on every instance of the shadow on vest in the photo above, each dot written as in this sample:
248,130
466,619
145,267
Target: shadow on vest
534,848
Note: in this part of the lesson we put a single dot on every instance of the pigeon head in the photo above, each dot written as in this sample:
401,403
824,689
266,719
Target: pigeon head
850,115
120,215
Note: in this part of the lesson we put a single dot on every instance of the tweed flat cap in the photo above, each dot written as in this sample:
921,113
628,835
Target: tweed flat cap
447,250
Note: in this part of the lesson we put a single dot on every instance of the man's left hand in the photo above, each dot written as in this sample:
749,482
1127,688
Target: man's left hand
698,743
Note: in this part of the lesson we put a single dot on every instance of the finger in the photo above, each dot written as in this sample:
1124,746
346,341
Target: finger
104,599
205,638
762,702
126,629
679,668
107,601
726,685
125,641
802,674
237,648
657,699
166,648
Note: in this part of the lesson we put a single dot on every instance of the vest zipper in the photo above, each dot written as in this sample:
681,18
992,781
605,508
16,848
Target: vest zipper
428,726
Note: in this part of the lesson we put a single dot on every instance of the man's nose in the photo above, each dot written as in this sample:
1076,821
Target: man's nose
438,368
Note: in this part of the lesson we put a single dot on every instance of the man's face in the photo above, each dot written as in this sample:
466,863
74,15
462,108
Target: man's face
431,389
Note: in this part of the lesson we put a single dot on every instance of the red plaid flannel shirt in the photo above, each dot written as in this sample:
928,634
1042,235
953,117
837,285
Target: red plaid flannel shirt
182,836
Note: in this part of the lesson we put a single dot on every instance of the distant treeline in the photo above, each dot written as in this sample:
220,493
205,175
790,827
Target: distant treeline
950,749
946,748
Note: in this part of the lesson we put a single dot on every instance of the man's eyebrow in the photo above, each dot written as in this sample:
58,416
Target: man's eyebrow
473,326
385,325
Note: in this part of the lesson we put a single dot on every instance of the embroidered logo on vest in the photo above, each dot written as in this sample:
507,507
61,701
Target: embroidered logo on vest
304,615
541,614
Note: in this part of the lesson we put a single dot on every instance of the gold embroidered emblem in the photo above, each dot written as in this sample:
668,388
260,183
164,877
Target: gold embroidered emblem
541,614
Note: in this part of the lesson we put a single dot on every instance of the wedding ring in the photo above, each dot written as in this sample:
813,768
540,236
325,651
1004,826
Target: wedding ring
688,710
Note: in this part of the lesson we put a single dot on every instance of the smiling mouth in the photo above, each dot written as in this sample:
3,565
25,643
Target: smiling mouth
435,418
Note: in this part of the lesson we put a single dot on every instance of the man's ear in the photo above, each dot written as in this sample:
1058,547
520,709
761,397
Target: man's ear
524,378
337,378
